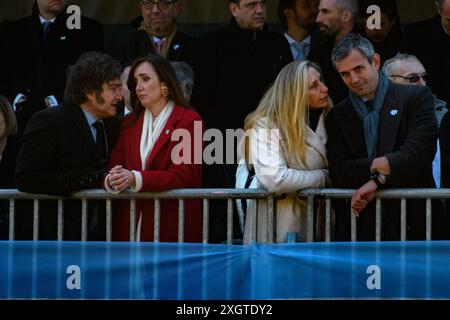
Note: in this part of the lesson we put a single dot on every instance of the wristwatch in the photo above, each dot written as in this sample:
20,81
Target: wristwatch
378,178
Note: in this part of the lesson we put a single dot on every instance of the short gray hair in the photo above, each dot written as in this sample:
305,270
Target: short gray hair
185,77
351,5
352,41
389,65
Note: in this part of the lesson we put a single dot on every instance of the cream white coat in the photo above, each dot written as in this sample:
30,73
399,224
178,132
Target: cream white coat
277,174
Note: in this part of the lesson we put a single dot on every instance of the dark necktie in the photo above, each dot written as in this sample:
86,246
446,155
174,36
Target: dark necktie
101,140
46,26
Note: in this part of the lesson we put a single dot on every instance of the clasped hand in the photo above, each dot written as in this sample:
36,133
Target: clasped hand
120,178
366,193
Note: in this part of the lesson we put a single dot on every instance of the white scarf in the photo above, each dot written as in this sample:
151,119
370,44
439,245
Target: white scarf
151,129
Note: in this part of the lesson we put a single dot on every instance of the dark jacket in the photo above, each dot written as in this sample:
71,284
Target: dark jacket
321,54
444,143
233,69
137,44
59,156
407,137
38,68
428,41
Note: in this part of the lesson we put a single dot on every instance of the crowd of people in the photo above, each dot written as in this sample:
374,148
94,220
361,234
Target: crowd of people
347,105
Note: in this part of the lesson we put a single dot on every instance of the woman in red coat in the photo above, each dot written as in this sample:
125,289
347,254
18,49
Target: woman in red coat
149,157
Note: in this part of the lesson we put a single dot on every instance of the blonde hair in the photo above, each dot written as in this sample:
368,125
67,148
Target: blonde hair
10,117
285,105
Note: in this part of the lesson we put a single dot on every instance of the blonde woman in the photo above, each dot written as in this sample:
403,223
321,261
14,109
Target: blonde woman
8,123
285,147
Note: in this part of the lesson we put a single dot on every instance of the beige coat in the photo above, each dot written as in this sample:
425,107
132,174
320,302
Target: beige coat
277,174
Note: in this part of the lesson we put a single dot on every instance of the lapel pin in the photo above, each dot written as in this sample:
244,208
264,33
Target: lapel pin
394,112
167,131
175,47
63,38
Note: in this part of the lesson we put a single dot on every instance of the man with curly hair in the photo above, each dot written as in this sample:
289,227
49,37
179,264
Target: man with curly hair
65,149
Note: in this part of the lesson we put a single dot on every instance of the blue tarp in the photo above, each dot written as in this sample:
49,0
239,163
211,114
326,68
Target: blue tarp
98,270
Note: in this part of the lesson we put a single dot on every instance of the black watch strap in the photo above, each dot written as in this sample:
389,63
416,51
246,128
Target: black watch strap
375,179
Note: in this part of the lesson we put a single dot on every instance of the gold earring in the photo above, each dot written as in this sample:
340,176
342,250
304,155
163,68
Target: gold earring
164,90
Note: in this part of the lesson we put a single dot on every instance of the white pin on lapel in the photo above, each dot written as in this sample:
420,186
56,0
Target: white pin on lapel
63,38
176,46
393,112
167,131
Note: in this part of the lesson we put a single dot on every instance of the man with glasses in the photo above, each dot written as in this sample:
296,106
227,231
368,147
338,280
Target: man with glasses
407,69
156,31
234,67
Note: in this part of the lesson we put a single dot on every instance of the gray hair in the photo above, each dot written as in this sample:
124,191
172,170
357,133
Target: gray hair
350,5
389,65
185,77
350,42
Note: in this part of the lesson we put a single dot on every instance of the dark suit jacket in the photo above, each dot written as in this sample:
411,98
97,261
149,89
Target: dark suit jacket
233,69
138,44
444,143
59,156
428,42
407,137
160,174
38,68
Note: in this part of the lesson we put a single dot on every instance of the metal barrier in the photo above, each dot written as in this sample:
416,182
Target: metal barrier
225,194
98,194
402,194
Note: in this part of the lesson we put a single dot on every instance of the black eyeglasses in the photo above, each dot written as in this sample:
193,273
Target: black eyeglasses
162,4
413,78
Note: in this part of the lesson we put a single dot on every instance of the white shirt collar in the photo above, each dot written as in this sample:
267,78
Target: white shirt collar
43,20
307,40
157,39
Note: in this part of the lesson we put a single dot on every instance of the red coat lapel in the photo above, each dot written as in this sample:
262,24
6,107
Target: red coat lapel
166,133
135,142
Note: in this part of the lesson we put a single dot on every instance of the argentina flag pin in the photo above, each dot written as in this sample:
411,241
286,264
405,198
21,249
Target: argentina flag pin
393,112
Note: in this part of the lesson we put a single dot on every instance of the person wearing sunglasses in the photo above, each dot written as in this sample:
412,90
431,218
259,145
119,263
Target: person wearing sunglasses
407,69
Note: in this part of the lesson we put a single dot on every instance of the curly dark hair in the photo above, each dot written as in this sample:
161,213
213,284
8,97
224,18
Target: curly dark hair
165,73
88,74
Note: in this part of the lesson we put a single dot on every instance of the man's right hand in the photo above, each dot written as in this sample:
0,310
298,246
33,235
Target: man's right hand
89,178
363,196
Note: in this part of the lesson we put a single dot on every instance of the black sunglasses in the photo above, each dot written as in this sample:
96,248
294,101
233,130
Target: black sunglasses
412,79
